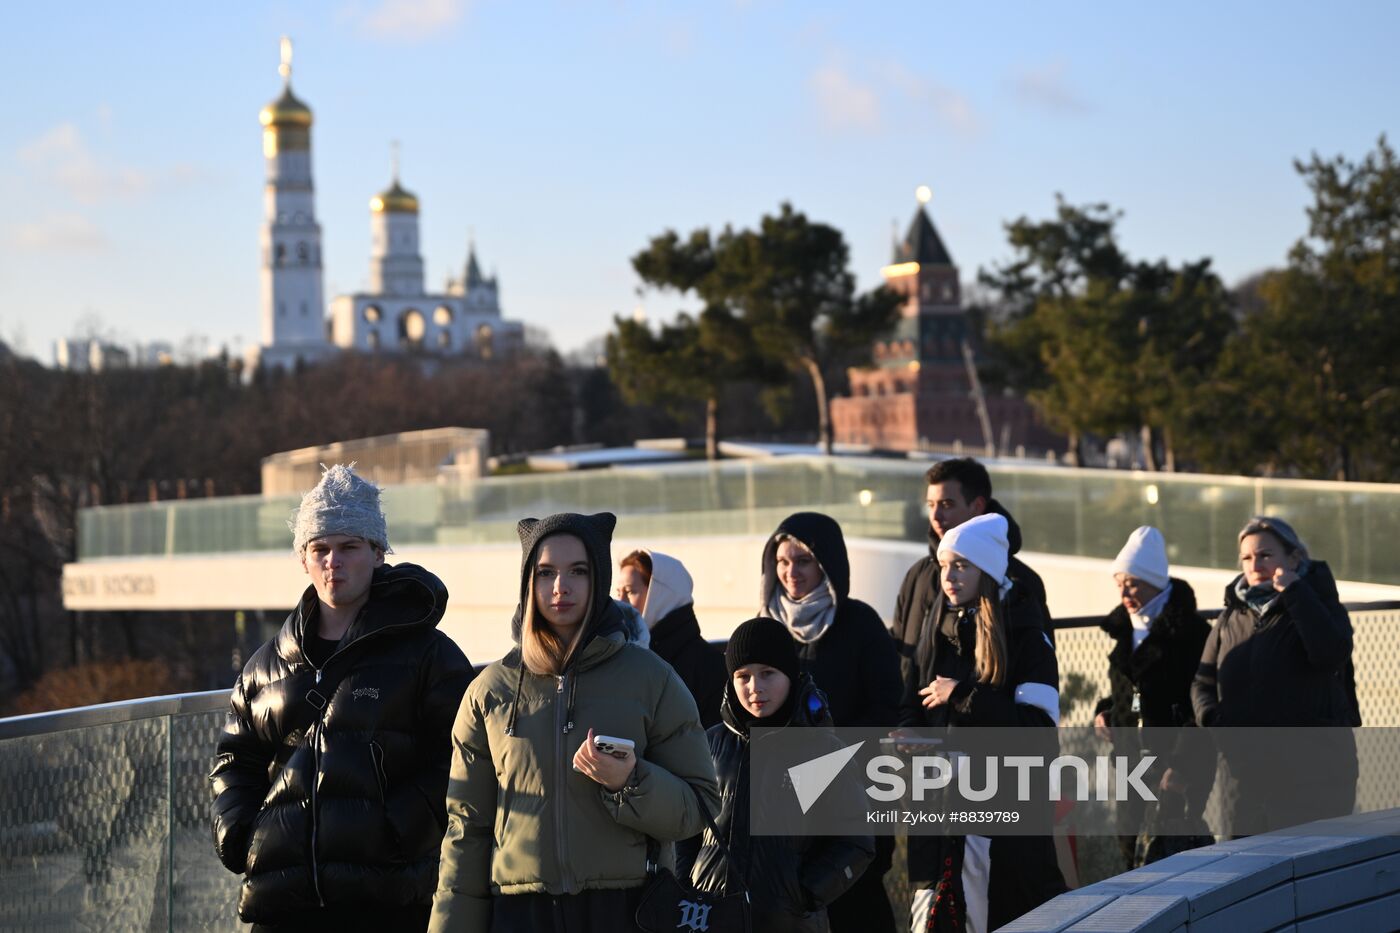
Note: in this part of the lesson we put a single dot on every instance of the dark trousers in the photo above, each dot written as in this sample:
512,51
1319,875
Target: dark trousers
865,907
589,911
353,920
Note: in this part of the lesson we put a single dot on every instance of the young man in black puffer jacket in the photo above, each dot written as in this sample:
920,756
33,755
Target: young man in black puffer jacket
331,775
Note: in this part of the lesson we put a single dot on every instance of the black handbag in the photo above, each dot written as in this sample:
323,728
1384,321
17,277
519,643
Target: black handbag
669,903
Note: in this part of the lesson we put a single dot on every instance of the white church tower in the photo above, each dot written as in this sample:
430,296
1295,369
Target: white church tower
293,312
395,265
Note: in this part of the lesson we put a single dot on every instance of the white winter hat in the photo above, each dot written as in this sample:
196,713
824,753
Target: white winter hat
1144,557
341,504
981,540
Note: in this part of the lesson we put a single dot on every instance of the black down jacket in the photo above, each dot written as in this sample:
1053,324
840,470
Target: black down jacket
1289,667
330,786
790,879
677,639
1161,669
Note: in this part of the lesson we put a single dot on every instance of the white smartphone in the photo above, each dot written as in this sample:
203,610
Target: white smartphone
612,745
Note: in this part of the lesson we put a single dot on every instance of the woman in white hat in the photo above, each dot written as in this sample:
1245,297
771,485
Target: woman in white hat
1158,637
983,660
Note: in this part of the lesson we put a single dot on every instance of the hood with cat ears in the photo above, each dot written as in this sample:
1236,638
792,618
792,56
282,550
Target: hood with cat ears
595,531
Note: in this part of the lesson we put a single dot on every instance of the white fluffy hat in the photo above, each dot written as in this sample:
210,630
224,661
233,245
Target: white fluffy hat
1145,557
341,504
981,540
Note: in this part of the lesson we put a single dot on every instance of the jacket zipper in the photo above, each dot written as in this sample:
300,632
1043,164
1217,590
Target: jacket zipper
316,769
381,774
561,796
316,744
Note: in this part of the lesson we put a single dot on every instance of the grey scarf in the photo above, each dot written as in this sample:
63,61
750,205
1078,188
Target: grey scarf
808,618
1261,597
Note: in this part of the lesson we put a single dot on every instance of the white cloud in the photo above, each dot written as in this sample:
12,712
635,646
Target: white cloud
62,157
950,106
408,20
843,102
57,232
1048,87
850,103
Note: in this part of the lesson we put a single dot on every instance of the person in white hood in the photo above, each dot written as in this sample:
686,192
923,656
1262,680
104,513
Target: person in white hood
660,588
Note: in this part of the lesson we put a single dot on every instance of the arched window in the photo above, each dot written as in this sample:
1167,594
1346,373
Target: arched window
372,314
303,253
372,339
442,317
412,327
444,340
484,348
279,254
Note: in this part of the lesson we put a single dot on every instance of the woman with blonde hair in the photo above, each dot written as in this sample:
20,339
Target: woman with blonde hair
983,659
568,756
1280,655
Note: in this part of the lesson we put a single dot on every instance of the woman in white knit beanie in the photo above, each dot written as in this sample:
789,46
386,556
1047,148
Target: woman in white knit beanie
1158,637
984,660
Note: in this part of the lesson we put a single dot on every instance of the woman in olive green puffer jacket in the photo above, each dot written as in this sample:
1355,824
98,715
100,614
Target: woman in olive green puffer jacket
543,831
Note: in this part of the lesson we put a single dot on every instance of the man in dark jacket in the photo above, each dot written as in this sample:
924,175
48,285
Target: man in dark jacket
331,775
956,491
842,643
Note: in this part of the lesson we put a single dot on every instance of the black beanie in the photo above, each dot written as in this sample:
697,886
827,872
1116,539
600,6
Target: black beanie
762,641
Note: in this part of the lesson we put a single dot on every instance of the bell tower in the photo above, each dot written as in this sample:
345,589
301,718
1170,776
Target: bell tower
293,312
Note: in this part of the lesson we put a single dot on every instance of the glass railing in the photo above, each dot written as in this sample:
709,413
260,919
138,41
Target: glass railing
1089,513
104,819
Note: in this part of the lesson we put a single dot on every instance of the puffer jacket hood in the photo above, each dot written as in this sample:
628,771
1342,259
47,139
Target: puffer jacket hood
821,535
595,531
671,588
1013,530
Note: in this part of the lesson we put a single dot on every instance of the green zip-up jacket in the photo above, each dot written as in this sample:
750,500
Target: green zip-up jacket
521,820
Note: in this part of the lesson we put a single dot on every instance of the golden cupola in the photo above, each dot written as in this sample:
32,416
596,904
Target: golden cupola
285,111
394,200
286,121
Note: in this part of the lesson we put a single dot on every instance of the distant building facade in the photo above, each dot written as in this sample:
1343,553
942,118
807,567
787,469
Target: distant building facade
396,313
83,355
91,355
918,390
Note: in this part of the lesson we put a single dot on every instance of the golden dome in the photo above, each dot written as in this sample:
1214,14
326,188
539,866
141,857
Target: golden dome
395,200
286,111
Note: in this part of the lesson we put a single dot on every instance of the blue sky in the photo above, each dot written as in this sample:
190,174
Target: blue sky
565,135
